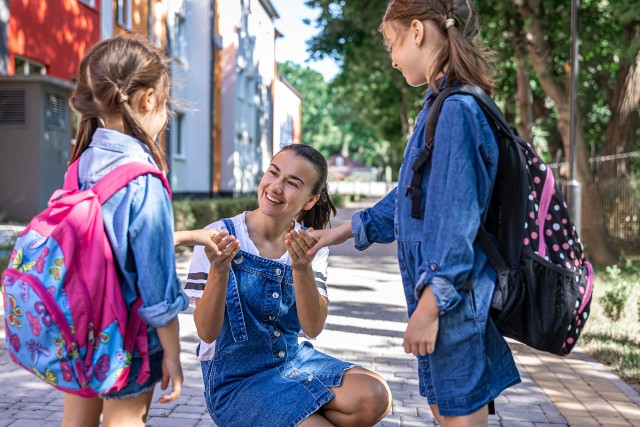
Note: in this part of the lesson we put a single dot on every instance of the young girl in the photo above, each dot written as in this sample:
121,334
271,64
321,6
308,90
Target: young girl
463,361
122,95
257,295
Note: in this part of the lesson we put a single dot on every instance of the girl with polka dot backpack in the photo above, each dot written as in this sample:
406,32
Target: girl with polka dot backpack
544,282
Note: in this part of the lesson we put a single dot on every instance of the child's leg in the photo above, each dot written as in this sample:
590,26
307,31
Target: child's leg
130,412
480,418
362,399
81,412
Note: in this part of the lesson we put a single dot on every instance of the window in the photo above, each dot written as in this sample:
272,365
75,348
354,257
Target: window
179,37
13,107
55,111
90,3
177,136
27,67
124,13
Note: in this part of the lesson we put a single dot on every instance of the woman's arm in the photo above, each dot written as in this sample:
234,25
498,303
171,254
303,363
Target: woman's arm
311,306
209,312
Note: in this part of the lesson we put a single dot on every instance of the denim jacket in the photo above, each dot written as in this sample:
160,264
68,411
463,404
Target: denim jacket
139,223
438,250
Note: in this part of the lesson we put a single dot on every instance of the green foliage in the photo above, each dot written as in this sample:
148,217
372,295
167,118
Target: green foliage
615,343
328,120
193,214
615,297
371,92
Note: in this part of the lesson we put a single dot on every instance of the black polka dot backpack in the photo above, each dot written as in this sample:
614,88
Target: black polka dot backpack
544,285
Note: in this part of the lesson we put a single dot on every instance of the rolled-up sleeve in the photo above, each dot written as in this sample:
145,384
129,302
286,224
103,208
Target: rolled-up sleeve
458,194
151,237
375,224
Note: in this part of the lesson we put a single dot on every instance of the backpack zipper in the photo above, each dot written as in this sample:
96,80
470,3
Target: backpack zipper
88,359
545,202
587,292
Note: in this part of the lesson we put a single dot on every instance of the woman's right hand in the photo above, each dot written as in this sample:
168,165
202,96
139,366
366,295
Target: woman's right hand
228,246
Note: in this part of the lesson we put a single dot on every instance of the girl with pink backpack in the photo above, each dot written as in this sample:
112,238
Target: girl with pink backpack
122,96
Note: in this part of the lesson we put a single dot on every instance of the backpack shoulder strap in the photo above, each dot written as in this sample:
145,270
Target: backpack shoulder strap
71,177
121,176
492,113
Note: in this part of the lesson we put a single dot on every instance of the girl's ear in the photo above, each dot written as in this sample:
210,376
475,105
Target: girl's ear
147,101
417,31
311,202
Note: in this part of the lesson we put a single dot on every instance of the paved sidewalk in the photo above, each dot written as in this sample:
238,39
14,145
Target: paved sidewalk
366,322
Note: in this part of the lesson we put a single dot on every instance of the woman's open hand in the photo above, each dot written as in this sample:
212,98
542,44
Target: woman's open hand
298,244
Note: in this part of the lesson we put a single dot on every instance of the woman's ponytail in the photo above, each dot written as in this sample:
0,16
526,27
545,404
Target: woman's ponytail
319,215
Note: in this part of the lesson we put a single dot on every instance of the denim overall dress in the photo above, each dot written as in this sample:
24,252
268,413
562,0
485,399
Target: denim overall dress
260,375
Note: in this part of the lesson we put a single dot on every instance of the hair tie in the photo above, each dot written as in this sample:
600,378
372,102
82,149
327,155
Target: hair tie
450,22
122,98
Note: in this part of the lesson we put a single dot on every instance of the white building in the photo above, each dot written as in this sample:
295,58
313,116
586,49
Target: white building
233,109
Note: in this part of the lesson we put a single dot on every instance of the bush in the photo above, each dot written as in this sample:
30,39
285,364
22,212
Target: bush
192,214
615,298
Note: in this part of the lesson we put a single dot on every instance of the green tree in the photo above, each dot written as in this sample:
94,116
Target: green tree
532,39
328,121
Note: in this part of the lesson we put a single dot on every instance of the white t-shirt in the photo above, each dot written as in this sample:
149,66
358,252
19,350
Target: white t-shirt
199,268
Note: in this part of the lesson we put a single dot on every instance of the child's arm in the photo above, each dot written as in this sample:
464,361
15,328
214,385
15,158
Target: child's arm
422,329
203,237
329,237
209,312
312,307
171,368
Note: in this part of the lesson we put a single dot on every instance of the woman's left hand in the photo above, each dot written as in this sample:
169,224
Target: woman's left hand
297,244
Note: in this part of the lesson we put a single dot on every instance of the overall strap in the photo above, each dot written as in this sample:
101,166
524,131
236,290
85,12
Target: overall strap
234,307
229,226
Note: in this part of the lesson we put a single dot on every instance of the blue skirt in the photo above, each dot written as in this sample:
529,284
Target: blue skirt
281,396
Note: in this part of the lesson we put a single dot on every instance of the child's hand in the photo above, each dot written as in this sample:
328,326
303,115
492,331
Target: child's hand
422,329
329,236
298,244
227,248
203,237
171,370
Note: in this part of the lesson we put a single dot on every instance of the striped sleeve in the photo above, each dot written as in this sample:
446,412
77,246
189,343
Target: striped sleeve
319,265
198,273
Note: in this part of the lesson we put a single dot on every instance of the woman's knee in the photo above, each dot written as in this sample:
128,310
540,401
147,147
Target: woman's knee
374,395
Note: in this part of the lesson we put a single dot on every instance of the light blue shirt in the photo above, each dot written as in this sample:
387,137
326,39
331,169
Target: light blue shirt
139,223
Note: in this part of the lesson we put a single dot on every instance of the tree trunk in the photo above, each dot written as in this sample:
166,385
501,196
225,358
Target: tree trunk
593,234
623,126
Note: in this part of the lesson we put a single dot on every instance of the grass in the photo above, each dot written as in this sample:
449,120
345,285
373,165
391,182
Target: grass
616,343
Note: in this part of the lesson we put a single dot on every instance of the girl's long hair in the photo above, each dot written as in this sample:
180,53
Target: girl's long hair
463,58
110,74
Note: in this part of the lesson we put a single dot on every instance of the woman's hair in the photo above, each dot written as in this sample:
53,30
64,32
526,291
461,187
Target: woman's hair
463,57
110,74
318,216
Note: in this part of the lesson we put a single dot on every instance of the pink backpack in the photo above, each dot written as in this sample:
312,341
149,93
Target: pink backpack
65,317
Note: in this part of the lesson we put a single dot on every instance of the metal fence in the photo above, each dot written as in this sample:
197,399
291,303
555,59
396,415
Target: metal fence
618,179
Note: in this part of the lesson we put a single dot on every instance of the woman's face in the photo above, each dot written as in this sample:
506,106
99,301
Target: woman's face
286,188
413,50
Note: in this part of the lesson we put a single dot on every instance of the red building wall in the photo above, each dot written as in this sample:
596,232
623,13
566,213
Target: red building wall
56,33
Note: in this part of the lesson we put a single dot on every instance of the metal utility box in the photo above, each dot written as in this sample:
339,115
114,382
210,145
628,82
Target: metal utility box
35,143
